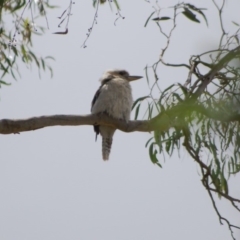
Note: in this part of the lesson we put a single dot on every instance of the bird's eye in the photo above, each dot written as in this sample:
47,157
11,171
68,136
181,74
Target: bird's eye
123,73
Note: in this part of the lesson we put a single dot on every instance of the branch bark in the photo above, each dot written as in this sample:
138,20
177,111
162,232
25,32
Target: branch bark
162,122
8,126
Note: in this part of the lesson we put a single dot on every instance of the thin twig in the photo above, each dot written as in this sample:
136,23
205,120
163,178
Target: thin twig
92,26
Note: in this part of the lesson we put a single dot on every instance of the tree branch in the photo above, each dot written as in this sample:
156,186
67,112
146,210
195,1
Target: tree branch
162,122
215,69
8,126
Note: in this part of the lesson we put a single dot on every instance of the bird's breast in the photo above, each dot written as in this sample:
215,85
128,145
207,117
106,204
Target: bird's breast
115,98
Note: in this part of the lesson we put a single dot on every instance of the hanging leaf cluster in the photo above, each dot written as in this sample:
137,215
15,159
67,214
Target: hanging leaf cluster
16,44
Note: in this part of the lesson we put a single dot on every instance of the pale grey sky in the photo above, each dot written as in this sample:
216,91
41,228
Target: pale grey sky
53,182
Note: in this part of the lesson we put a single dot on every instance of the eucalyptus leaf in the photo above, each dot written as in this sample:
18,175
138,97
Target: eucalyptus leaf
190,15
161,19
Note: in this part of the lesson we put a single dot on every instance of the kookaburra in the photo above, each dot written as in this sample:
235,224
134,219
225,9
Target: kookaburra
113,97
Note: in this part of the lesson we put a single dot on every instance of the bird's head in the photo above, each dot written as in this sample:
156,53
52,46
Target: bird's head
119,74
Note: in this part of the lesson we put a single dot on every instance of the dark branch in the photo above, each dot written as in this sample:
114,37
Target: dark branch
215,69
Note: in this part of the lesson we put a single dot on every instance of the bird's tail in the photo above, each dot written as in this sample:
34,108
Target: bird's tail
106,147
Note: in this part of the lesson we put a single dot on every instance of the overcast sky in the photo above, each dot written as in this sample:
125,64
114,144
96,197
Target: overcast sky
53,182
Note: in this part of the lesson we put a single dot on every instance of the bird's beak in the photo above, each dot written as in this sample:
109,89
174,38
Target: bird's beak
132,78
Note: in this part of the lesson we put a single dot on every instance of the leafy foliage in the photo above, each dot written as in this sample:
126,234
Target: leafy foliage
205,121
185,8
16,44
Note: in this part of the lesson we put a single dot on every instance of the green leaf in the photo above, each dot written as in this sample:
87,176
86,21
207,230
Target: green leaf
137,111
167,146
159,164
104,1
177,97
198,10
50,70
4,83
157,136
184,89
14,50
49,57
148,142
5,69
35,58
146,74
43,64
41,8
94,3
150,110
152,154
13,75
25,57
148,19
138,100
163,93
229,137
224,184
190,15
236,170
116,4
236,24
161,19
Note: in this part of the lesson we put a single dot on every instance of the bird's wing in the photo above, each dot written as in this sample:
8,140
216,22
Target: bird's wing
96,96
104,81
96,127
